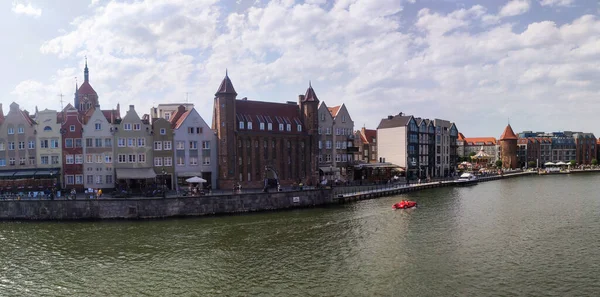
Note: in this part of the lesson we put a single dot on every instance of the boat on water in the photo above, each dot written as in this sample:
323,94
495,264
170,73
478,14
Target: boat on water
466,178
404,204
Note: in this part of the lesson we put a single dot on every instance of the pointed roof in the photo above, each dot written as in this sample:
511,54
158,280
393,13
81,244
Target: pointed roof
461,136
334,110
367,135
310,94
508,134
226,87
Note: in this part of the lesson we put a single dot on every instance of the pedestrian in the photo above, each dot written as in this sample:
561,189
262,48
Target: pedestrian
99,193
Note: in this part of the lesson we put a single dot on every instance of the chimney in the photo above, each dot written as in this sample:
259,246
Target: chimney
245,99
131,108
181,108
300,98
390,117
400,114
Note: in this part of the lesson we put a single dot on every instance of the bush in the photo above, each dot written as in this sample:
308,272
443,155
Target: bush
594,162
531,164
499,163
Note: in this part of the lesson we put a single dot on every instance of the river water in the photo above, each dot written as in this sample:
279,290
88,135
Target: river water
522,236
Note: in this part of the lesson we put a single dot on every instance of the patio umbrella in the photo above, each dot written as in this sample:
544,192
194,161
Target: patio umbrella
549,164
195,179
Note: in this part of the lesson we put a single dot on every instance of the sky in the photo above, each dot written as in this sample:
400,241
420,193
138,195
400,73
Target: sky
480,64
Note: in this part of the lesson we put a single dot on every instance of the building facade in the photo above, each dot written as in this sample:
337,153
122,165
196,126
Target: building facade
343,139
162,150
327,165
366,141
167,110
426,148
398,143
72,155
195,147
18,143
508,148
133,152
254,135
472,145
98,145
48,142
446,148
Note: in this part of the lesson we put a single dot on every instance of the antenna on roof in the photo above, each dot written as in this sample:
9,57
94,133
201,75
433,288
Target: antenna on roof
61,100
186,95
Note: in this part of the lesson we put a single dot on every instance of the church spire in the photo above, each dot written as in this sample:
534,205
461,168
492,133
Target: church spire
86,72
226,86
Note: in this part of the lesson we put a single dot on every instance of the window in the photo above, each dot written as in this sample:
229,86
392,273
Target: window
270,126
122,158
343,118
69,179
78,159
2,146
131,158
54,159
167,116
31,144
69,142
44,160
131,142
180,145
78,142
54,143
137,127
249,125
180,161
11,161
167,146
21,145
168,161
107,158
109,179
289,127
108,142
241,125
72,128
163,131
127,126
198,130
194,161
206,161
89,142
43,144
99,142
280,127
90,179
21,130
121,142
328,131
158,161
141,142
337,131
158,146
2,162
320,144
98,179
69,159
190,130
142,158
99,158
89,158
98,126
11,130
328,144
193,144
79,179
299,128
327,158
262,126
206,145
322,116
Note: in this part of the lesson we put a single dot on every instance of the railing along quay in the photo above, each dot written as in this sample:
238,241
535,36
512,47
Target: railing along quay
370,192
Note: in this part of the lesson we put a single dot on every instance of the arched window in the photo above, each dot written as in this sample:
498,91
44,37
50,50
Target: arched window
47,128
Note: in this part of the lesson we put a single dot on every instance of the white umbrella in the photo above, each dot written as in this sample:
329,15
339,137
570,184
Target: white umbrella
195,179
561,163
549,164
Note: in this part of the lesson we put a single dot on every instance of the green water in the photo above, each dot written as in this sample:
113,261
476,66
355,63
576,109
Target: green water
523,236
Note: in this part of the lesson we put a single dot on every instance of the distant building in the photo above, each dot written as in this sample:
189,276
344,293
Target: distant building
167,110
48,138
508,148
472,145
335,137
563,146
98,149
163,147
72,132
366,141
446,156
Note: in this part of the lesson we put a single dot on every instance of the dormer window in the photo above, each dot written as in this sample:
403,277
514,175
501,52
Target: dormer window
270,126
98,126
280,127
262,126
241,125
249,125
299,128
289,127
167,116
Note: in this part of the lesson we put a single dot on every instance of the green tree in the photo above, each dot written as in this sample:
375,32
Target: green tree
531,164
499,163
472,154
594,162
573,163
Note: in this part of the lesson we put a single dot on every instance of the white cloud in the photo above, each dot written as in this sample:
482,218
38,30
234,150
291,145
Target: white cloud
26,9
357,52
556,2
515,7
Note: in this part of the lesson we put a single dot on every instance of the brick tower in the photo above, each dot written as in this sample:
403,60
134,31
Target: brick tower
508,147
309,111
224,113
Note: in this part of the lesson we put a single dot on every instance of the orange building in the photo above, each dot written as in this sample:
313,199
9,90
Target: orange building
508,148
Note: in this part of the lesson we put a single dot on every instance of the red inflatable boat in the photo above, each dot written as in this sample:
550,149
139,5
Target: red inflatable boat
404,204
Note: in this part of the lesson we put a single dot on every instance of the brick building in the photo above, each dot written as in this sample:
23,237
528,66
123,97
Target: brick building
254,134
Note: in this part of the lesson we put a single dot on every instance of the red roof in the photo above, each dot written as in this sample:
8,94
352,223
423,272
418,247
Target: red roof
334,110
310,94
508,134
181,119
268,112
226,86
485,140
461,136
175,117
86,89
367,135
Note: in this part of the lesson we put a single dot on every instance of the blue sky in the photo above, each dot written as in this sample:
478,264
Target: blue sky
476,63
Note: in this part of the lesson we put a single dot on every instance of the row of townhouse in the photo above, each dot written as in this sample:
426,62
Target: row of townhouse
542,147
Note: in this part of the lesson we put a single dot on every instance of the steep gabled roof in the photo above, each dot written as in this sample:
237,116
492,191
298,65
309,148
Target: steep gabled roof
86,89
461,136
508,134
334,110
269,112
226,87
475,140
310,94
181,119
394,121
367,135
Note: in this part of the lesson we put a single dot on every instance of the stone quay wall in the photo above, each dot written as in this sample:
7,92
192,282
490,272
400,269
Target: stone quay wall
148,208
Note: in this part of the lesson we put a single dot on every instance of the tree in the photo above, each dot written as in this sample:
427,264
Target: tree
472,154
531,164
573,163
594,162
499,163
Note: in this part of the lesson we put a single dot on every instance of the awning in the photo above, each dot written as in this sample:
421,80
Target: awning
135,173
6,173
329,169
189,174
46,172
24,173
378,166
